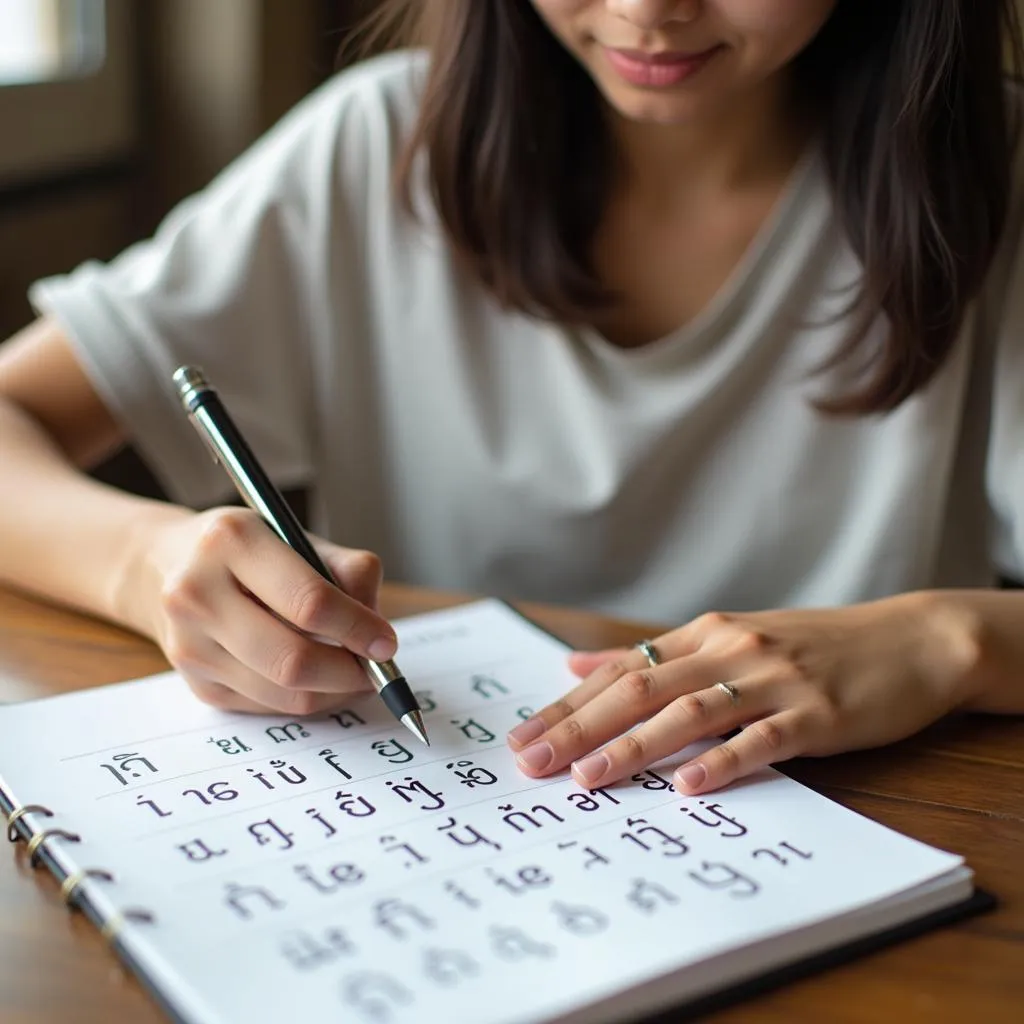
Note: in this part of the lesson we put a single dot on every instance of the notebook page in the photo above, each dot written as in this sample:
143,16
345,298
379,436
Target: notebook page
337,867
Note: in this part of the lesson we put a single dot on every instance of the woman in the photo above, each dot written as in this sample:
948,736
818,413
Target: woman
674,306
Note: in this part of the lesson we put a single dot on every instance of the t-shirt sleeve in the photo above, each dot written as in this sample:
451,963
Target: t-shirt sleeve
230,281
1005,464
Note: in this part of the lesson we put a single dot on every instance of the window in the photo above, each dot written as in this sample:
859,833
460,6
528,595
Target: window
45,39
66,95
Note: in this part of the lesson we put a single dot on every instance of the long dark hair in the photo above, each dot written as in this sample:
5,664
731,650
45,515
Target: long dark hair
916,124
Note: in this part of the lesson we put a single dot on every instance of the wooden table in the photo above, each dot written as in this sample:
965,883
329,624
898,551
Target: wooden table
959,785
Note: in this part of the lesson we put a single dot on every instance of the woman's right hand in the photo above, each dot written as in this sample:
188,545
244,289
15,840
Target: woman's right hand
247,621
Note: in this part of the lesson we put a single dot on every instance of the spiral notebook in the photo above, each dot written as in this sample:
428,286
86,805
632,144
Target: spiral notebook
257,869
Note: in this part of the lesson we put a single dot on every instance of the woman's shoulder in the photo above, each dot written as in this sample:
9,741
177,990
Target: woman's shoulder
395,75
388,85
342,134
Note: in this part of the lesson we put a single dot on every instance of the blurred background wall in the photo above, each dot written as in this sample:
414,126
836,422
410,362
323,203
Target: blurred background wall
186,85
202,79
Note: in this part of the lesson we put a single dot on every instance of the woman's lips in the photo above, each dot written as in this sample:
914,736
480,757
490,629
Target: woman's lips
657,70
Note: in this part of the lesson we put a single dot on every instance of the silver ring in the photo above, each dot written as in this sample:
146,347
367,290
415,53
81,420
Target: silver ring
730,691
646,648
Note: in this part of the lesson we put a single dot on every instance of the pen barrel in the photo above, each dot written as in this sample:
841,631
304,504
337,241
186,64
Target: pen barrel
230,449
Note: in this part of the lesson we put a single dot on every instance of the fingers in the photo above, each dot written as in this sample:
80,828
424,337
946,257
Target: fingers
275,654
619,663
594,728
260,695
603,707
620,705
677,644
262,661
293,590
583,663
761,743
251,625
690,717
359,573
535,727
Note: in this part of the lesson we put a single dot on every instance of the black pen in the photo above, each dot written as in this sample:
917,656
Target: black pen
230,449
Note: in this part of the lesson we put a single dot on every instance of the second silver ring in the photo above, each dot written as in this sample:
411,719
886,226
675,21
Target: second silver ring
646,648
730,691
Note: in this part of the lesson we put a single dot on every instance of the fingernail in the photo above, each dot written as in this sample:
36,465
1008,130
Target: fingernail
592,769
530,730
537,757
692,776
382,648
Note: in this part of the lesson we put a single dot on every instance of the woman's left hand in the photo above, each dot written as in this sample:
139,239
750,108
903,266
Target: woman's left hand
798,682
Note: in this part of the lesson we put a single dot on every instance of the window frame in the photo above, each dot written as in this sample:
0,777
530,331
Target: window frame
62,125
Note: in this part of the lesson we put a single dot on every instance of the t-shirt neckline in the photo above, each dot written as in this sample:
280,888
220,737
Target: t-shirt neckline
770,236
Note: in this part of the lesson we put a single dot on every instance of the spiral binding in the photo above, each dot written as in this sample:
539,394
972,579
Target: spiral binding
20,812
110,930
70,884
45,836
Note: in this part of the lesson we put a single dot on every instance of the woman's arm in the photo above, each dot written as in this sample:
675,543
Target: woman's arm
238,613
66,537
994,680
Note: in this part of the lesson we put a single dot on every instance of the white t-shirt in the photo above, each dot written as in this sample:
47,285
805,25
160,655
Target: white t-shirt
485,451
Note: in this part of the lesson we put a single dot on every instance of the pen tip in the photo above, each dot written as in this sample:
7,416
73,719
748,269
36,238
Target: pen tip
413,721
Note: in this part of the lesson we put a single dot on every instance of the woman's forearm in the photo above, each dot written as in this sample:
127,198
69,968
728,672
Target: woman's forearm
63,535
991,624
